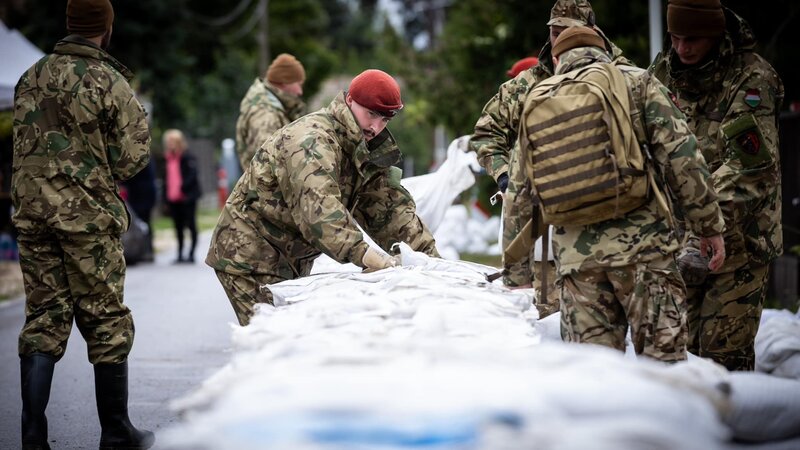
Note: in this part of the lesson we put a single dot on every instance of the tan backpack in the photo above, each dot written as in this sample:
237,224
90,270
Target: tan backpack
580,147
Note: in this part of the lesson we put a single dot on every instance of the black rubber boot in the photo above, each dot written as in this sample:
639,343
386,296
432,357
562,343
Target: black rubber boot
36,377
111,392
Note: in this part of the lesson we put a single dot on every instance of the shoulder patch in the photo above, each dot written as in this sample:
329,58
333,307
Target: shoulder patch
752,98
750,142
745,141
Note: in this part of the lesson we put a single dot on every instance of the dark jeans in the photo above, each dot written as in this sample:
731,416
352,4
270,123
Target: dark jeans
184,214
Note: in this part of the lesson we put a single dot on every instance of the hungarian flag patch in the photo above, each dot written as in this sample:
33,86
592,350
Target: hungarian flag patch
752,97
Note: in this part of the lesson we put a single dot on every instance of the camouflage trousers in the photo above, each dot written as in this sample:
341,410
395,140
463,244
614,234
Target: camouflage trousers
598,306
246,291
76,277
724,314
551,304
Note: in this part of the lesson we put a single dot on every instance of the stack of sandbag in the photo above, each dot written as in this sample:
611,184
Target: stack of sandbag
763,407
778,344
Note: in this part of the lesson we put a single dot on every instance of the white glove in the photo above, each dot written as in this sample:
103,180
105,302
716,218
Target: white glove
375,260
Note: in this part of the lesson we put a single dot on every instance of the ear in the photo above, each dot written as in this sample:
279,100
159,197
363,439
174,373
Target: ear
348,100
555,62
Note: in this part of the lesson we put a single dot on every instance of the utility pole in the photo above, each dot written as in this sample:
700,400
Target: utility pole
656,32
263,36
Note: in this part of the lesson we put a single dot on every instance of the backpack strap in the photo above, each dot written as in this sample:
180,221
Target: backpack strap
640,130
543,263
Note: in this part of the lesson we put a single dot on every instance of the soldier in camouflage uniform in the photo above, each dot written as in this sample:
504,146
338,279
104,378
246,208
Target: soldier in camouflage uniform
308,188
732,98
268,105
622,272
495,141
78,131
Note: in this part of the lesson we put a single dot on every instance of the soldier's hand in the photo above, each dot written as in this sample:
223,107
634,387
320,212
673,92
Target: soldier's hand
374,260
502,182
717,247
693,267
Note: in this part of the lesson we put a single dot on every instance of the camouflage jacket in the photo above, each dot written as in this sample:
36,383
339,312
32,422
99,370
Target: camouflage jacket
644,234
263,110
78,130
306,190
732,103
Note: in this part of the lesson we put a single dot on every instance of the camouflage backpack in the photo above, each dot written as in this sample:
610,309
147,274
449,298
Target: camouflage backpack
581,147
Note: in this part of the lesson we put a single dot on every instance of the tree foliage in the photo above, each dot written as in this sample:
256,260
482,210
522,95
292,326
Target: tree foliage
195,59
194,68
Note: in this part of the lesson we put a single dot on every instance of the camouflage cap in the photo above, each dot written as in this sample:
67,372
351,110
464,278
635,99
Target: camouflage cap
571,13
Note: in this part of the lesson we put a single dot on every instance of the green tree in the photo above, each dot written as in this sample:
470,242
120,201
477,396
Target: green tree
193,66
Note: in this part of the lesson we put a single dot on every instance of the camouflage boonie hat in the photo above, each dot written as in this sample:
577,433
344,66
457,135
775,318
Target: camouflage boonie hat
571,13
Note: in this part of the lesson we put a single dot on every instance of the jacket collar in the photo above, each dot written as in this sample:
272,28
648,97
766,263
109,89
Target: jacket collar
79,46
581,57
292,105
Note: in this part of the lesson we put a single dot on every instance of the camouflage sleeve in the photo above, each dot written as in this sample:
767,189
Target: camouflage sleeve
496,130
749,141
517,210
311,190
129,137
243,150
675,149
387,212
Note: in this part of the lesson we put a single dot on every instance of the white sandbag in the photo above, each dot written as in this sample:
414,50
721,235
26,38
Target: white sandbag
777,344
763,407
465,231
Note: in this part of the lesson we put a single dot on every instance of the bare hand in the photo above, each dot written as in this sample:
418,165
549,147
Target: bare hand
716,245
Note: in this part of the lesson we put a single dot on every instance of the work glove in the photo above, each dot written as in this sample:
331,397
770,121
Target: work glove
374,260
693,266
502,182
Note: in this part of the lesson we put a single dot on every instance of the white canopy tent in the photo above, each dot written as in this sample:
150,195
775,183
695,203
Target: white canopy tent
17,54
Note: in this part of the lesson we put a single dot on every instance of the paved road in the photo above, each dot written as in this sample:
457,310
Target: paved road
182,322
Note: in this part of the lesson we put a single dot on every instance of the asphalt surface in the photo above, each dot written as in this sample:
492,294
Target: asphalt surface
183,322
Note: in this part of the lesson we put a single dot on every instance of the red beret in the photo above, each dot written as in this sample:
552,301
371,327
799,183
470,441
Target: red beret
378,91
522,64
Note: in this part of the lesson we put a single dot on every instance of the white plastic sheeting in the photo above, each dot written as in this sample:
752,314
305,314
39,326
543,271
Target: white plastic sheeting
778,344
430,355
436,191
17,54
